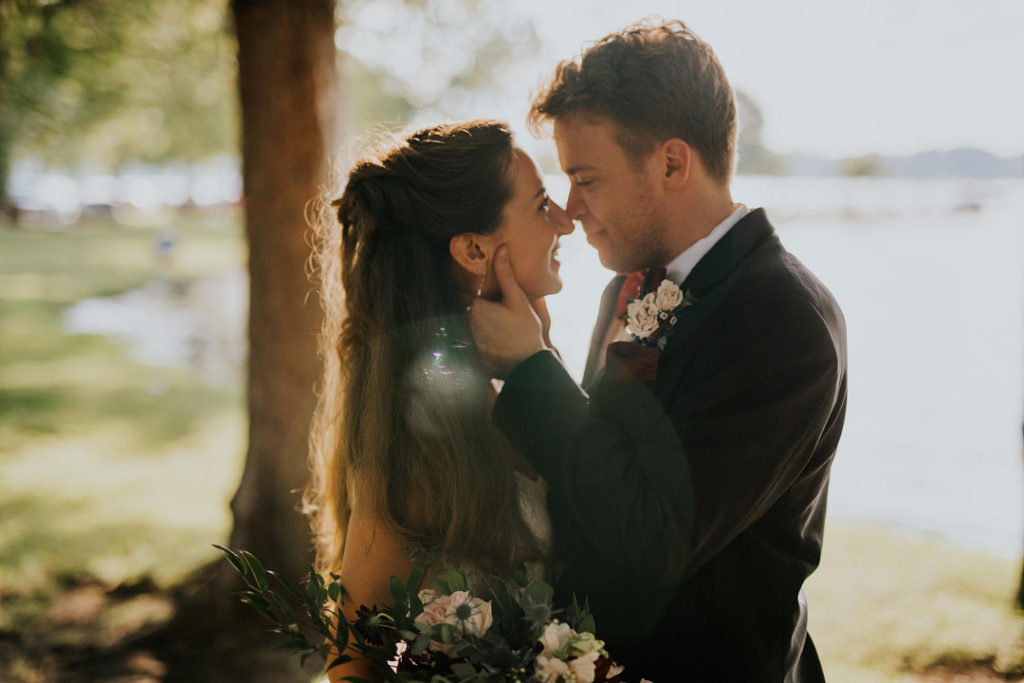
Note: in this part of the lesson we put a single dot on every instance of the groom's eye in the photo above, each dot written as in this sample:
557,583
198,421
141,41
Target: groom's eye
544,202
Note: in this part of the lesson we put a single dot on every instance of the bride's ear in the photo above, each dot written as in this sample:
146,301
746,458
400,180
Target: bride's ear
470,251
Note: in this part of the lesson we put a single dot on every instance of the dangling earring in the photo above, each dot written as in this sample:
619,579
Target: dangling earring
479,288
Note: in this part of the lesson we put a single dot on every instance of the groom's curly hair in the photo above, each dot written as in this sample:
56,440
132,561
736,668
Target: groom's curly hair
655,80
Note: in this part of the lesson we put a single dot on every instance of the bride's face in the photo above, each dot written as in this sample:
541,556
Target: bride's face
531,226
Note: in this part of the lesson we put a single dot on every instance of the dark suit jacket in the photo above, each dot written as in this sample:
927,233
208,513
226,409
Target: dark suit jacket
689,509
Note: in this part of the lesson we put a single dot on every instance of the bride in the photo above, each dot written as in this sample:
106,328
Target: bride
404,452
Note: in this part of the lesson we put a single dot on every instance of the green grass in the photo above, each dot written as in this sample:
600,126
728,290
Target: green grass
886,606
101,257
109,469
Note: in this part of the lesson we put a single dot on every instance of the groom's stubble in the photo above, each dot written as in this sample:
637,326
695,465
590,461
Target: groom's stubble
640,233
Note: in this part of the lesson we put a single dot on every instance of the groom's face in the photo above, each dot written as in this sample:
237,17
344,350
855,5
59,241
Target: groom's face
615,197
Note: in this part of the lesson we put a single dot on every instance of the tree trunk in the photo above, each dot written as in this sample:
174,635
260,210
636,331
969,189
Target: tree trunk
1018,599
7,137
287,82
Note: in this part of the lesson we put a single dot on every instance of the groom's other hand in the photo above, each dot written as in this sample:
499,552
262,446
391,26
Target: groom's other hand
507,331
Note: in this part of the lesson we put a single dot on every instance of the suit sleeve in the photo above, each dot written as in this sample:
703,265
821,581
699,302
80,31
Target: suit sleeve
654,479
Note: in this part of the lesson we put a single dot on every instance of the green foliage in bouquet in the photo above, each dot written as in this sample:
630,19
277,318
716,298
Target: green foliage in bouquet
443,634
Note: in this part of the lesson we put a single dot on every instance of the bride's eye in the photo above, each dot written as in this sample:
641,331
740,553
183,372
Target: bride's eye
544,203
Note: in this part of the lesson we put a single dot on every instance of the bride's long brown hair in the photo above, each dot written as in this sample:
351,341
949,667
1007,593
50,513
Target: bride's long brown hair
403,410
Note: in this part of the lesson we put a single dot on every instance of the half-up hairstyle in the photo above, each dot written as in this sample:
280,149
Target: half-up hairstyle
403,411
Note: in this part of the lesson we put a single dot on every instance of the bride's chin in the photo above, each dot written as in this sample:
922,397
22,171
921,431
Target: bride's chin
554,287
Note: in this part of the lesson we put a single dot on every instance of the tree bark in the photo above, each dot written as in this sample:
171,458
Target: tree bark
1018,599
287,83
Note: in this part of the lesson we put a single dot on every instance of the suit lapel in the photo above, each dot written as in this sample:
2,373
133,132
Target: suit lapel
604,318
711,272
704,282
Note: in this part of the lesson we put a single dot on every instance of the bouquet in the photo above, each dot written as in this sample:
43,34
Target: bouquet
443,634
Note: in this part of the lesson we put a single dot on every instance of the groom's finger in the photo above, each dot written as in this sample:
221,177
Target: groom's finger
512,295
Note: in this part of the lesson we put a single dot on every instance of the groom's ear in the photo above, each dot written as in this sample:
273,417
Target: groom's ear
677,159
470,251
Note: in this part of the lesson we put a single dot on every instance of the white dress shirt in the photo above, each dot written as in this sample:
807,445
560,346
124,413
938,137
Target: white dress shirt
679,268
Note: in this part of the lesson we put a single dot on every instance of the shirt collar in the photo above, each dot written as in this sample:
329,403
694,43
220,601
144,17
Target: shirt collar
679,268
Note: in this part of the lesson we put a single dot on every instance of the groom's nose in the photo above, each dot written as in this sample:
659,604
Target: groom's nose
574,205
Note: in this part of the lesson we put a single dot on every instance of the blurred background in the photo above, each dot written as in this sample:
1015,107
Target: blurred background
139,395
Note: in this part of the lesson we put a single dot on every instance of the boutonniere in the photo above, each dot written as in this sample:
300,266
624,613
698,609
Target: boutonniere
651,319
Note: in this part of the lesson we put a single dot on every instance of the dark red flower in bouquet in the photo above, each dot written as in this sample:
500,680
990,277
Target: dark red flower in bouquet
375,628
605,666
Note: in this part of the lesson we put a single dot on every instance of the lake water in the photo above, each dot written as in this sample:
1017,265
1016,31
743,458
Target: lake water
930,276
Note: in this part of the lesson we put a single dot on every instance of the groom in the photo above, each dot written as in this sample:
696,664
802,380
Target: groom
688,479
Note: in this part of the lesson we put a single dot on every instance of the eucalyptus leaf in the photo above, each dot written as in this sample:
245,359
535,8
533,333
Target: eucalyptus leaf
412,586
293,644
288,584
340,634
463,670
459,649
232,557
315,591
456,580
398,592
259,574
260,604
315,595
537,592
262,607
580,618
420,644
317,621
282,605
445,633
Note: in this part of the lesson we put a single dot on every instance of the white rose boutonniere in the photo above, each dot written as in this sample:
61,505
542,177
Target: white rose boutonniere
642,317
653,317
669,296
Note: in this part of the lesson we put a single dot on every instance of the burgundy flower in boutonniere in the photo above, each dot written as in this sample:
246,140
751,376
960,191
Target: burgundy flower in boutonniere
629,362
652,318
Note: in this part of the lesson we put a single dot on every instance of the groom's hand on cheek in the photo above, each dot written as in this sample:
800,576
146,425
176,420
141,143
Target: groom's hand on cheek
507,331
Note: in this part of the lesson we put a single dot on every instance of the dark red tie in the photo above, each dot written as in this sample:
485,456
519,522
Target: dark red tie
636,284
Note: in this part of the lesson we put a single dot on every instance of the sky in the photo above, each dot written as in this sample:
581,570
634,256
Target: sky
832,77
